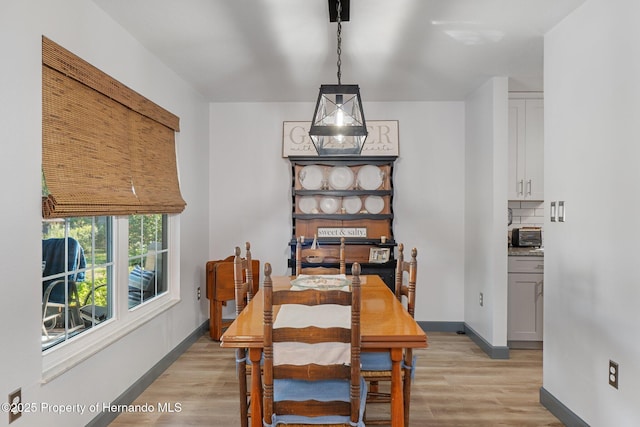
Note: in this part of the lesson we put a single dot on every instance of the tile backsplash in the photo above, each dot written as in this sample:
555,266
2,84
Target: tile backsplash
527,214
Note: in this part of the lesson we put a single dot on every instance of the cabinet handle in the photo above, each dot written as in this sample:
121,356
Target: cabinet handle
540,285
521,191
529,186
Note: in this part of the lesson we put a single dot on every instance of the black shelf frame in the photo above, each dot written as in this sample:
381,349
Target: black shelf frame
385,270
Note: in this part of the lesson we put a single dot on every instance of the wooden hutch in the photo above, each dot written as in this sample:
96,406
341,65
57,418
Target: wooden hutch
351,197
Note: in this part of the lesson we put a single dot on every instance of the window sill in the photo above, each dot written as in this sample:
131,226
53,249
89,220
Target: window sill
66,356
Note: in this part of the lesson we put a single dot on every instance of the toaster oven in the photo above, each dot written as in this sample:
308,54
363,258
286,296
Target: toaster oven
526,237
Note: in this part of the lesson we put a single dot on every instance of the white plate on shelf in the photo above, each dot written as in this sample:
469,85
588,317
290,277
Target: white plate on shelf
341,177
308,204
329,205
352,204
374,204
311,177
370,177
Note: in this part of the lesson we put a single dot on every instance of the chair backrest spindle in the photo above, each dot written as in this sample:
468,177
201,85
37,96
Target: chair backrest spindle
243,278
407,289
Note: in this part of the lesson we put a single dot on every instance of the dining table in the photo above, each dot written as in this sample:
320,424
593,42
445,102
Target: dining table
385,325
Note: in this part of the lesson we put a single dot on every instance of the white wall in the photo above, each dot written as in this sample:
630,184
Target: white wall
85,30
486,211
592,148
251,197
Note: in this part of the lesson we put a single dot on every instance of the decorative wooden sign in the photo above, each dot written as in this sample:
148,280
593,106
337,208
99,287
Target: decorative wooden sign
381,141
357,232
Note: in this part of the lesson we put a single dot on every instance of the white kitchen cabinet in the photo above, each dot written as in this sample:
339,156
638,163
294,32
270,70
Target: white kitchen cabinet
525,300
526,149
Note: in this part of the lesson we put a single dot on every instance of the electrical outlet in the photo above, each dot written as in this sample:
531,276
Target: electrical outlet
199,293
15,405
614,374
481,299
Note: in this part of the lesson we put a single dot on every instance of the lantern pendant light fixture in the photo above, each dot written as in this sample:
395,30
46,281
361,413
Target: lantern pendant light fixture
338,127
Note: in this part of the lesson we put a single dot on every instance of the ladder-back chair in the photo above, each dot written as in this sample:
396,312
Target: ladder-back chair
376,366
245,289
312,358
318,252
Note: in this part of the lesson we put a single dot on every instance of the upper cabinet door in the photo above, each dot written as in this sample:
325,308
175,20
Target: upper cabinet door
516,149
526,149
534,150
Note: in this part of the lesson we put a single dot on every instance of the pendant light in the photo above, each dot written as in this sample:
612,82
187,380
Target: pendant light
338,127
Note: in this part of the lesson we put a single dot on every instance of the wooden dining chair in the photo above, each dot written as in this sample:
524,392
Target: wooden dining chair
320,270
245,289
376,366
311,359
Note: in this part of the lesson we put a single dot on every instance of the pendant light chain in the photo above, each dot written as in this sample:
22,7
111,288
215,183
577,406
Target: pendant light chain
339,21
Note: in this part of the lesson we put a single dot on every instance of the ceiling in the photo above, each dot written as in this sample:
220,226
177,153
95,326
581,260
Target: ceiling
396,50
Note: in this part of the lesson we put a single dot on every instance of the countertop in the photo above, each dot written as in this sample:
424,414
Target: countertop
526,251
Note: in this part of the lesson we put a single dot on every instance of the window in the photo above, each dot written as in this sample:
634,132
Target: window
147,257
87,281
77,294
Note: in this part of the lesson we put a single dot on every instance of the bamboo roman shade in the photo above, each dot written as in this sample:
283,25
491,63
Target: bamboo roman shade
106,150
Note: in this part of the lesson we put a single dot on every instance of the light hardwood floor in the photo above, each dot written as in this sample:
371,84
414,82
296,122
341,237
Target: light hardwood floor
456,384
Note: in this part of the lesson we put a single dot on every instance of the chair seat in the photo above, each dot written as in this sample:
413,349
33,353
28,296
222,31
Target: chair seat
381,361
375,361
323,391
